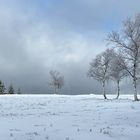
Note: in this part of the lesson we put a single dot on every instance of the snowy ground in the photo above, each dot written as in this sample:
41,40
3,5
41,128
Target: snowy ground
57,117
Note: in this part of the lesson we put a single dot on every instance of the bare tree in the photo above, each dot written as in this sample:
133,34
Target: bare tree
99,68
117,71
57,80
128,41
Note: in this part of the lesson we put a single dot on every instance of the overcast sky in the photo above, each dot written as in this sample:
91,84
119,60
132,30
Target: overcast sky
37,36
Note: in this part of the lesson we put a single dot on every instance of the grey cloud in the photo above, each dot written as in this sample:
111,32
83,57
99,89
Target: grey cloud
36,37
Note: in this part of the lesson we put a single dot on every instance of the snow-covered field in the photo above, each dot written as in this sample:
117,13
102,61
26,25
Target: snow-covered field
57,117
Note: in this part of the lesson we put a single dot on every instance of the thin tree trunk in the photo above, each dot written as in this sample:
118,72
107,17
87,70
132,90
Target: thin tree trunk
118,89
135,83
104,94
135,89
55,91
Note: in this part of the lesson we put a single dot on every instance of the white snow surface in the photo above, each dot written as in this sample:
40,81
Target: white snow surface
65,117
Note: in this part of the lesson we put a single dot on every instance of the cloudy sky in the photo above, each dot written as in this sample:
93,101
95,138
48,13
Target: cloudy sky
37,36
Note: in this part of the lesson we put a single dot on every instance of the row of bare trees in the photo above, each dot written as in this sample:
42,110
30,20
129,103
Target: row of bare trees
122,60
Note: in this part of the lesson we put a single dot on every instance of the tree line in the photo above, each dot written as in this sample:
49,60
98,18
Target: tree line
10,89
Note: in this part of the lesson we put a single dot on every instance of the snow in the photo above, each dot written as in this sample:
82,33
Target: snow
65,117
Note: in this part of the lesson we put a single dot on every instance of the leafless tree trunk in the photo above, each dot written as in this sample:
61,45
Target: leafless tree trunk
104,94
55,90
135,90
118,89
